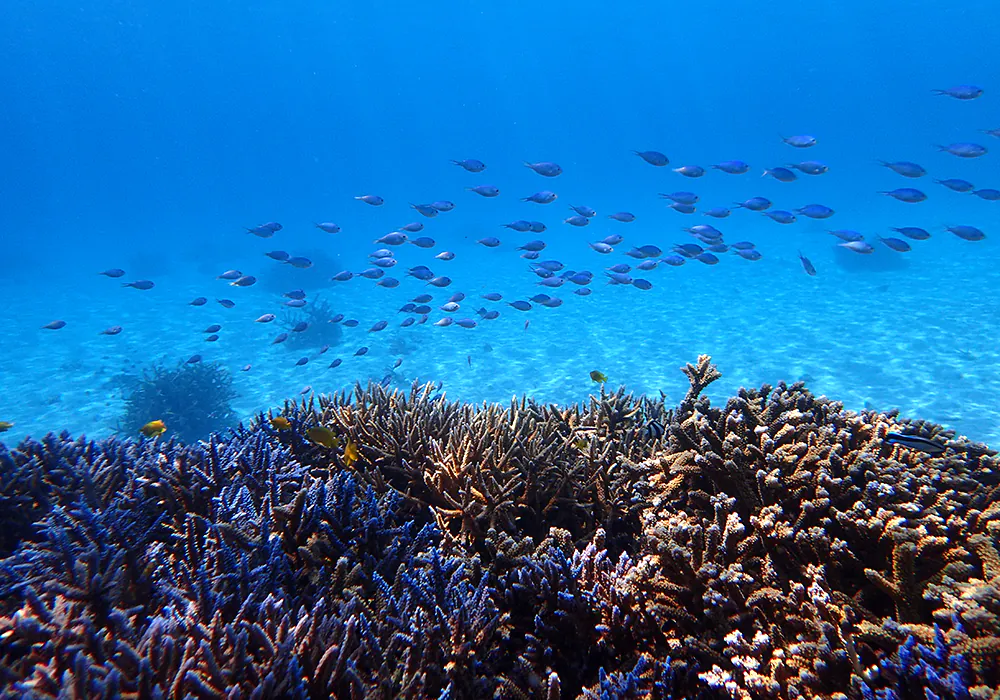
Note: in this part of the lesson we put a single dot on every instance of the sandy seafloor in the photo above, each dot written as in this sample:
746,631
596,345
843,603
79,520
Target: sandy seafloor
916,332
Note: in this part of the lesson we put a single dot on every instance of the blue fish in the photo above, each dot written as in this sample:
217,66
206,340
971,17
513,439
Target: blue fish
957,184
682,208
624,216
964,150
485,190
961,92
653,158
905,168
543,197
781,216
139,284
846,235
718,212
914,232
545,168
906,194
521,226
428,210
394,238
968,233
533,246
471,164
811,167
896,244
755,203
816,211
807,265
690,170
803,141
732,167
681,197
781,174
860,247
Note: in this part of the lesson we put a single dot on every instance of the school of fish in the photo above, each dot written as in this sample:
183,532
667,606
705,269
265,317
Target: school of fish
437,304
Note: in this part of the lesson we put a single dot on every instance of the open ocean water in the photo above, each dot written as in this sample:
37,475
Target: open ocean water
150,136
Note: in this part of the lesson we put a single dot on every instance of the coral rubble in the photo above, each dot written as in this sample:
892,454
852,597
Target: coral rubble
774,547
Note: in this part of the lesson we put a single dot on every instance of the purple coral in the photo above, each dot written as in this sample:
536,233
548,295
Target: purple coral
776,546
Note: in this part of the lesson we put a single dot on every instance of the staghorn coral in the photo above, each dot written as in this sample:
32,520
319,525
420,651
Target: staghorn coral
773,547
192,399
319,314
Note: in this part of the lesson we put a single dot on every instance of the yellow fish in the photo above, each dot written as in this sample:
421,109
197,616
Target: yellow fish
599,377
351,453
281,423
153,428
5,426
580,443
323,436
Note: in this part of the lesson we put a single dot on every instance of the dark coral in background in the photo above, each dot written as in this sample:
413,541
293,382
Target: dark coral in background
776,547
192,398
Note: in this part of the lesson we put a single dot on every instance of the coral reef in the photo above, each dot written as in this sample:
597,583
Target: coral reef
773,547
322,331
192,399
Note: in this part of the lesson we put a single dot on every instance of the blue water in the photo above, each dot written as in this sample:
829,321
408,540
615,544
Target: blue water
146,136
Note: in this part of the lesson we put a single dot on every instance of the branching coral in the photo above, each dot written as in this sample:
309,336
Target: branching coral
192,399
774,547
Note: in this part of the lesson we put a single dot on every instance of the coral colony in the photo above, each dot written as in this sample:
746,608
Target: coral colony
775,547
